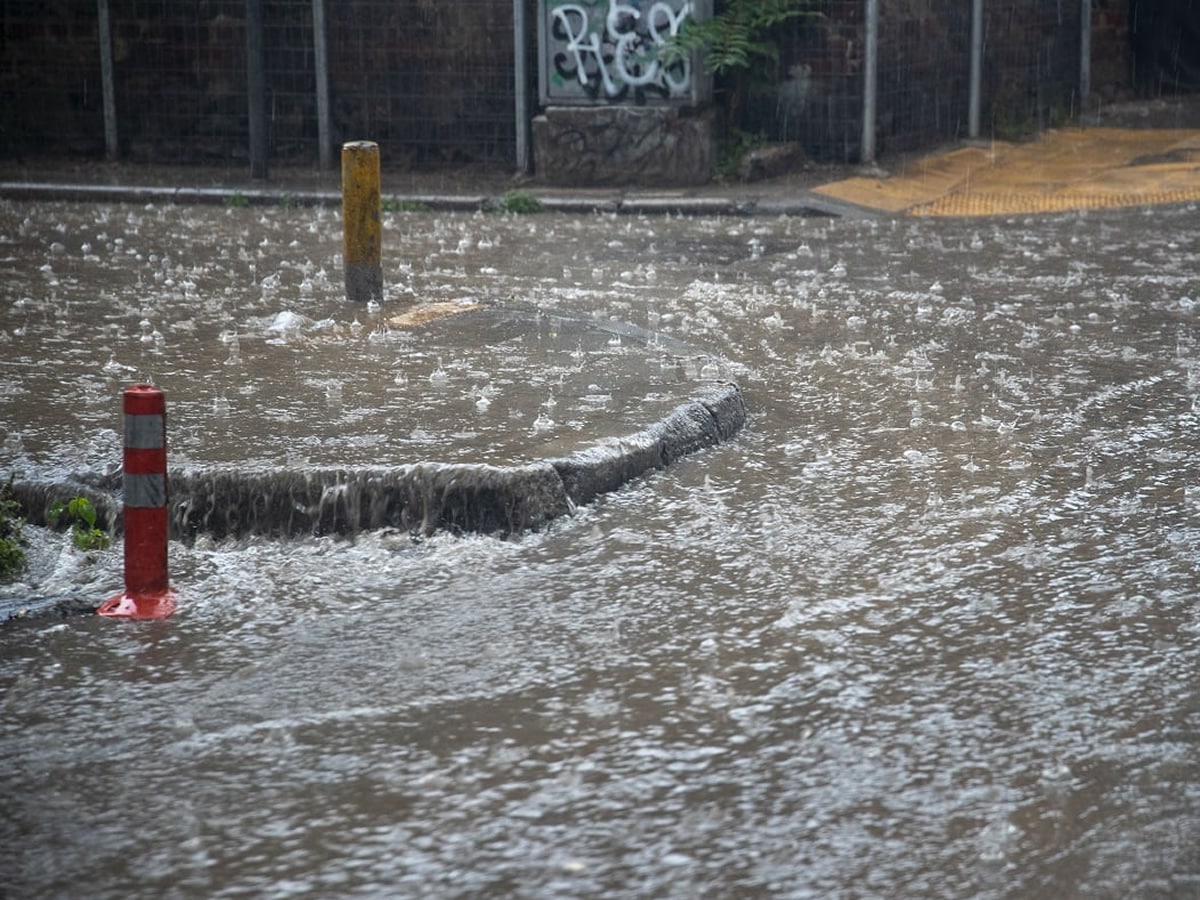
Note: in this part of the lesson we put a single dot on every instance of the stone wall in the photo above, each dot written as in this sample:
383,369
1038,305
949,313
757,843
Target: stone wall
624,145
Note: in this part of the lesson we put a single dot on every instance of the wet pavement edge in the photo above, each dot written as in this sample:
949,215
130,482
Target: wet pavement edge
610,201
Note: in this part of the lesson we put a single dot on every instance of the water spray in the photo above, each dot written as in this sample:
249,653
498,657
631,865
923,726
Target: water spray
147,593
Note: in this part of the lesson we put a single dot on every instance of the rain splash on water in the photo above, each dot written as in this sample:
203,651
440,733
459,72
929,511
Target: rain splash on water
927,628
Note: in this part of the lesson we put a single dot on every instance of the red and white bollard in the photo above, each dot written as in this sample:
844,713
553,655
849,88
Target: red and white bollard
147,594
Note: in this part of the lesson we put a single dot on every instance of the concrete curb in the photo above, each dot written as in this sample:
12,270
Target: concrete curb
805,204
420,498
59,606
426,497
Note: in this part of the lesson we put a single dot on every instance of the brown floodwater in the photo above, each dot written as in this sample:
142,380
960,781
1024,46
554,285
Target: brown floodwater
927,628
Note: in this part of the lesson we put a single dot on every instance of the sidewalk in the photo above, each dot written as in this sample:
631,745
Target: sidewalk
1069,169
1134,154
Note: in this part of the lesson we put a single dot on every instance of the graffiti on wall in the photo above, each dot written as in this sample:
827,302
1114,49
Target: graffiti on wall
608,52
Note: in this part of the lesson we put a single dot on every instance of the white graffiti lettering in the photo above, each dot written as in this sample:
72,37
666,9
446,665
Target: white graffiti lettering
606,53
583,45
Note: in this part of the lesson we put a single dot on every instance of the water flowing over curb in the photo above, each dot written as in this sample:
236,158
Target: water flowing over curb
426,497
420,498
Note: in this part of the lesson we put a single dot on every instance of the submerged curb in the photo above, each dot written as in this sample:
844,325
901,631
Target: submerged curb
60,606
425,497
616,201
420,498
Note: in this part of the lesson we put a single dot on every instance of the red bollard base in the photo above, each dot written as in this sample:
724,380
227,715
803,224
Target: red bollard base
139,606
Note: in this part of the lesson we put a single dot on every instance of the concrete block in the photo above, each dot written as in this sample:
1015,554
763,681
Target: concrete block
621,145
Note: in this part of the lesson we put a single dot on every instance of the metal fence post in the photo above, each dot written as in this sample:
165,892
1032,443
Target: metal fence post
256,89
1085,53
112,146
521,87
870,64
974,102
321,65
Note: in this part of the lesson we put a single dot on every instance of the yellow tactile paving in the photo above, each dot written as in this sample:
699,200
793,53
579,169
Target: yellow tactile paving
923,181
1076,169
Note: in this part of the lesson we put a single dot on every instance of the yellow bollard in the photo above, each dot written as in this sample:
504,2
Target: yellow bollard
361,221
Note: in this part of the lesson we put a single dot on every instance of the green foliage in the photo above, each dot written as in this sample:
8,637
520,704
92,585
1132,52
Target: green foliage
734,149
80,516
1007,127
237,200
12,539
518,203
399,204
737,46
738,38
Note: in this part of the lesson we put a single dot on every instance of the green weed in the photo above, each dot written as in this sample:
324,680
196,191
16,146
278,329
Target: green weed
402,205
734,147
80,516
518,203
12,537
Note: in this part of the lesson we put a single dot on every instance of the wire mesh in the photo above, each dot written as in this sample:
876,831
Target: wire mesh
1031,65
1031,73
180,78
434,82
924,72
50,87
814,95
1166,46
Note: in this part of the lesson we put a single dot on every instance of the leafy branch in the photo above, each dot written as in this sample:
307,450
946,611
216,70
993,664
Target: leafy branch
737,42
12,538
80,515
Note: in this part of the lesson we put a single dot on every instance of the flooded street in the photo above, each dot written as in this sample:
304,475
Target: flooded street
927,628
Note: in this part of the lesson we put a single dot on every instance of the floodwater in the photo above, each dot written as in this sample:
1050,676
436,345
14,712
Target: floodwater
927,628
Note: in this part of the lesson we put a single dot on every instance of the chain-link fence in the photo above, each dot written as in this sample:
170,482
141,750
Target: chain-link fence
1030,73
50,91
1166,43
1031,65
434,81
